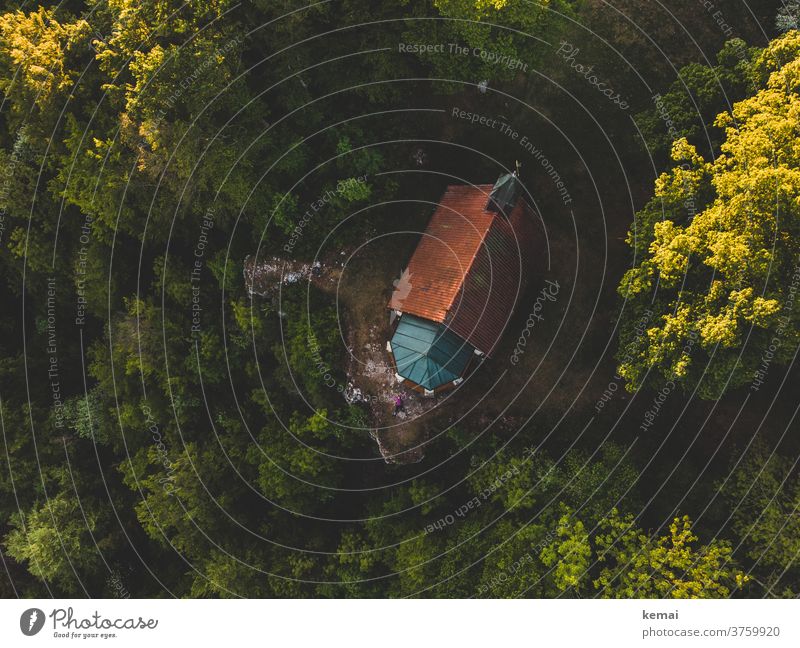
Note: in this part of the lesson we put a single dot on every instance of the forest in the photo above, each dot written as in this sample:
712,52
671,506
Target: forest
205,208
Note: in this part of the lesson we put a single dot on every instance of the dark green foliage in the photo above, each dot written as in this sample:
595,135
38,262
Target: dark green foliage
691,104
166,433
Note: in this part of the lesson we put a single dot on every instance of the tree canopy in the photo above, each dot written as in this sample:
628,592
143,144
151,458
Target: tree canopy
716,250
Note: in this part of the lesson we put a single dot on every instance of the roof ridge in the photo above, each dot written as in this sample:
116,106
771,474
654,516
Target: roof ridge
475,254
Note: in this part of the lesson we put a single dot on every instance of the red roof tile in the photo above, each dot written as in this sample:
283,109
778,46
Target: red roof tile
468,269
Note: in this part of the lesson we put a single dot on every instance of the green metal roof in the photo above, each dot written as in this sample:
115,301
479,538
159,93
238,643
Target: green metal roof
504,194
428,353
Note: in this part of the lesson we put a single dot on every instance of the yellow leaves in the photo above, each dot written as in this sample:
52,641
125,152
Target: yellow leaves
497,5
724,323
759,311
671,250
668,345
742,302
668,566
475,9
779,62
762,133
719,329
137,26
729,252
636,280
570,554
145,64
723,270
144,67
34,47
679,184
683,151
716,293
764,311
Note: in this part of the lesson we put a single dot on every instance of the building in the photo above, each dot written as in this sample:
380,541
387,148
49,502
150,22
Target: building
462,283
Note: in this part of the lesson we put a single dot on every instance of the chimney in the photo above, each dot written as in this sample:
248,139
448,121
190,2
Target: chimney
505,193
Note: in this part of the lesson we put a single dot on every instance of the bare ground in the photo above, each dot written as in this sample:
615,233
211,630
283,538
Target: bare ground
362,285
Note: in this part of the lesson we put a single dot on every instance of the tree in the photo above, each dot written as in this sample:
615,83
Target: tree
693,101
570,554
716,249
787,16
148,147
39,56
56,541
497,39
225,575
671,566
294,470
763,495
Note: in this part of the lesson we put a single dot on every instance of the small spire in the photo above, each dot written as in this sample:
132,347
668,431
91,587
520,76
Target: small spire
505,193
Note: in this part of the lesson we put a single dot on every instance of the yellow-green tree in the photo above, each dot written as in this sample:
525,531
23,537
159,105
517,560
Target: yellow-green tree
717,250
39,56
55,539
669,566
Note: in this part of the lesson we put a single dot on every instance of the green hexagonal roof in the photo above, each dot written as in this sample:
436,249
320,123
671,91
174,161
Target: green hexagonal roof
427,353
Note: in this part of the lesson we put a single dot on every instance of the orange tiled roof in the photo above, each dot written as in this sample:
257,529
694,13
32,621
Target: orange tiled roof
467,270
